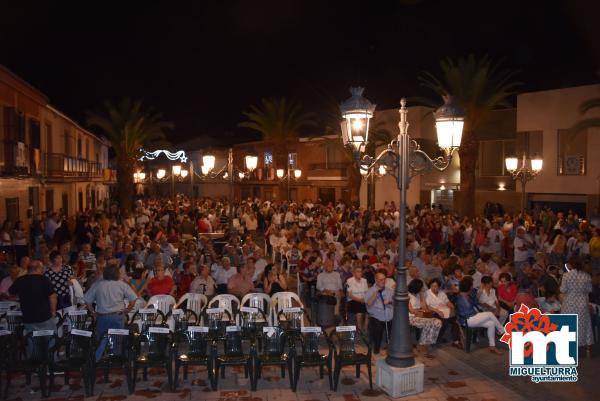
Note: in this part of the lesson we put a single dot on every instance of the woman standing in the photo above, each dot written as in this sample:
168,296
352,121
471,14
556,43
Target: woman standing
357,288
576,286
60,276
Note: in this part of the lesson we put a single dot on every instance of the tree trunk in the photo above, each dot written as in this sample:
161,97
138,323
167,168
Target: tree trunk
125,185
468,152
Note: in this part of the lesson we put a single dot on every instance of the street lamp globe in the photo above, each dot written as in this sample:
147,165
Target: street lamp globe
205,170
297,173
177,169
536,163
280,173
208,161
160,174
184,173
357,111
136,176
382,170
251,162
142,176
511,163
241,175
449,123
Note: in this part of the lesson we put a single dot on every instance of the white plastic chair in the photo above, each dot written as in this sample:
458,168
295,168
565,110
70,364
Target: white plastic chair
261,301
163,303
282,300
292,265
195,302
225,301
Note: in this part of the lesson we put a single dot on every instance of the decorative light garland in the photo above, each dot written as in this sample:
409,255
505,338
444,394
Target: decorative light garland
180,154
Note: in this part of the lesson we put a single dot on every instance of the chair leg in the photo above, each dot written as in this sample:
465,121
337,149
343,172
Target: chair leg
246,370
222,372
283,371
145,374
170,375
134,378
321,372
358,370
185,372
468,338
296,377
370,375
43,385
214,371
86,381
6,385
336,377
250,369
290,366
66,378
329,373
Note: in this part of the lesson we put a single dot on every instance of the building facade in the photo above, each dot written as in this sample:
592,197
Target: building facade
47,161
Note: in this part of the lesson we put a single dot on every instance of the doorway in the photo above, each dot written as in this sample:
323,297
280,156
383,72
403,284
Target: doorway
327,195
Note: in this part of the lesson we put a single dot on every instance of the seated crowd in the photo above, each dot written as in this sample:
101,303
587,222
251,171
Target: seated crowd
461,271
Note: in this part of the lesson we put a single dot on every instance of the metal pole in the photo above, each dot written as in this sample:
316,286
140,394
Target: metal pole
172,183
231,182
523,196
400,352
288,185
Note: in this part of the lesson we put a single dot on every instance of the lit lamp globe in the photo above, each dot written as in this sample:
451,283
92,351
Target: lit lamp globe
208,163
184,173
449,124
136,176
142,176
177,169
160,174
205,170
382,170
511,163
297,173
536,164
280,173
356,111
251,162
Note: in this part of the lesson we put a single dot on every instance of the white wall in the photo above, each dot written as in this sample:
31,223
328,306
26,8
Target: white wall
549,111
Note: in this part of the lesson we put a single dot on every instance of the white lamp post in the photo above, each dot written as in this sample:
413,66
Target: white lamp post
524,173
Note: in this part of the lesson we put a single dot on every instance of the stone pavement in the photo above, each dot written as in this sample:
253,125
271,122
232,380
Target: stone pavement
446,379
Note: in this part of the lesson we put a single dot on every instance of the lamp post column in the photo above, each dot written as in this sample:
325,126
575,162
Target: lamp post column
231,183
523,195
400,352
172,183
288,183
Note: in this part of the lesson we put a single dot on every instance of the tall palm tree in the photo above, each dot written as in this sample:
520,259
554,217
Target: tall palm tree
590,122
129,127
279,121
480,86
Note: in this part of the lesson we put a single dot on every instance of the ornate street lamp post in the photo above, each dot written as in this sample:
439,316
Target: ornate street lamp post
292,174
524,173
403,159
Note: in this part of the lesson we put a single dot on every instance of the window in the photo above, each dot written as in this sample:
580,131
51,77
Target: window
268,158
572,152
492,155
79,149
12,209
34,131
531,143
48,138
21,127
333,156
67,143
292,159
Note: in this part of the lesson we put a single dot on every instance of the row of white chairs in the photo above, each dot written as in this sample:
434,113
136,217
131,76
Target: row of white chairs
271,306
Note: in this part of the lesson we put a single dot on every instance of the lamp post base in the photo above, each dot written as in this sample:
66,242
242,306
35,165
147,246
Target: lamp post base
400,382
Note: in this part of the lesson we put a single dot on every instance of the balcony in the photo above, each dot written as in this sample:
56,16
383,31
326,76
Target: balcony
337,168
60,165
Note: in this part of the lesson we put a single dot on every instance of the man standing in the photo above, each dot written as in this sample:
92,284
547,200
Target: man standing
37,298
109,294
380,309
521,244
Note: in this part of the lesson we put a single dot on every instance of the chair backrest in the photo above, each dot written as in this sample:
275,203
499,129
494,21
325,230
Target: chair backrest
260,301
284,299
250,319
194,302
198,339
216,319
13,321
117,343
291,318
37,345
158,340
9,305
164,303
7,343
233,341
346,339
227,301
147,318
273,338
311,337
182,318
80,319
79,344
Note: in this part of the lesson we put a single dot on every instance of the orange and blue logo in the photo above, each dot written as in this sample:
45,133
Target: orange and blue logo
542,346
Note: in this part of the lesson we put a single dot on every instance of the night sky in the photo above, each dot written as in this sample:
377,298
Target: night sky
202,63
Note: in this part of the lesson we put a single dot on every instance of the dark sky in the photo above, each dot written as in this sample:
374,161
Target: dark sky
203,62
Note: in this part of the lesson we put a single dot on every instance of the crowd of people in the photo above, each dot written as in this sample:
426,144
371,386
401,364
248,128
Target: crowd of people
463,271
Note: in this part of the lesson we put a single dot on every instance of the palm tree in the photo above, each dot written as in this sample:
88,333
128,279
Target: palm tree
590,122
279,121
129,128
480,86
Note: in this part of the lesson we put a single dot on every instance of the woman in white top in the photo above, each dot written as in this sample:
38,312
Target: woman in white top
437,301
488,300
417,312
356,288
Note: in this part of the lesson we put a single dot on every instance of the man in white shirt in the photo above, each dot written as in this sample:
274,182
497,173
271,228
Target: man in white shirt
222,273
495,237
521,245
